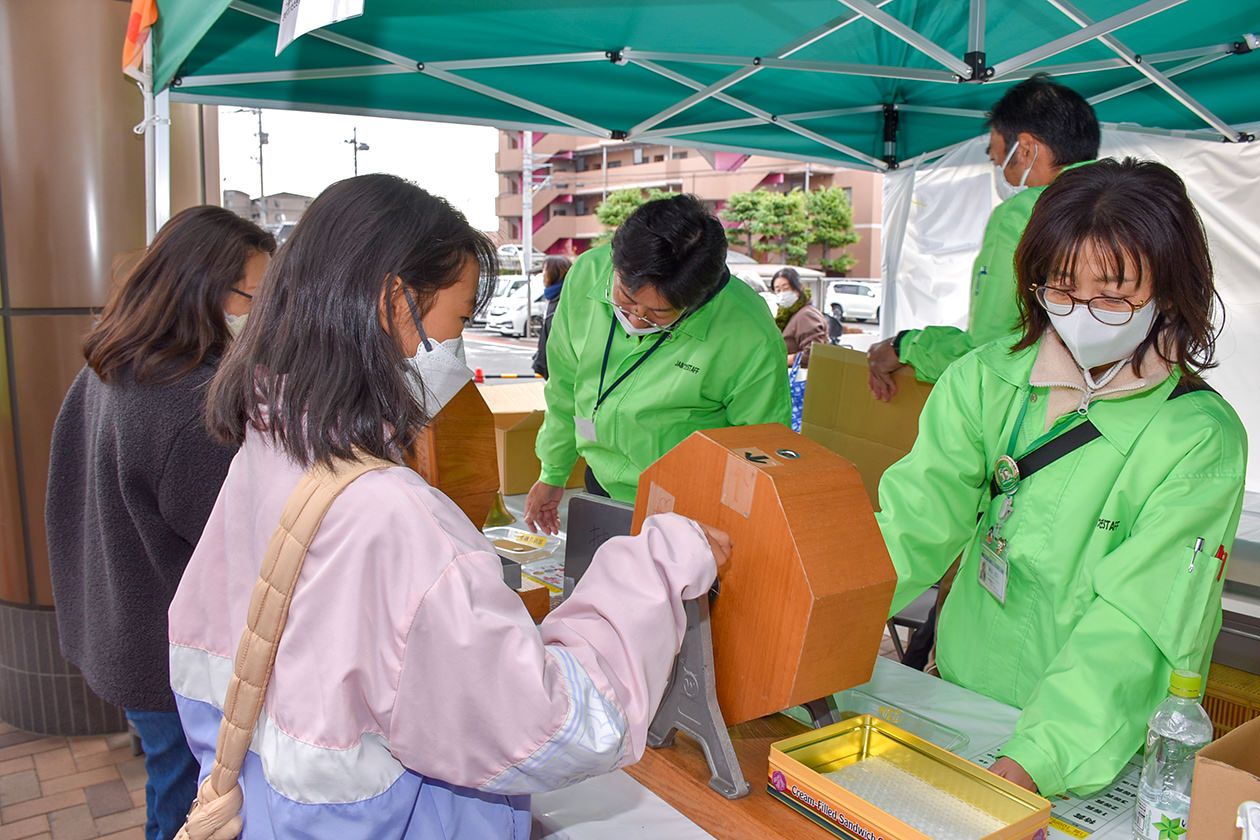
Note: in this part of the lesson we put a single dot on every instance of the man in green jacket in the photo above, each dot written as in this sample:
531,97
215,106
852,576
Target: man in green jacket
652,341
1036,130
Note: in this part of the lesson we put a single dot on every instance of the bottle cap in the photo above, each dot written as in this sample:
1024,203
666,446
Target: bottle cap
1185,684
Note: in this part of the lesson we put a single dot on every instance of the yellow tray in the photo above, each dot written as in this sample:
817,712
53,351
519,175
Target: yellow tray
897,785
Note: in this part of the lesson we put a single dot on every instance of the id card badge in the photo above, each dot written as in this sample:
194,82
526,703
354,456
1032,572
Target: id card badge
585,428
993,565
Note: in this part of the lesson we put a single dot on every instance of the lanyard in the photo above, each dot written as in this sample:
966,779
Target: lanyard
1061,439
1057,429
612,330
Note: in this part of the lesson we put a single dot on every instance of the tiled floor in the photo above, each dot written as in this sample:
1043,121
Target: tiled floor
70,788
84,788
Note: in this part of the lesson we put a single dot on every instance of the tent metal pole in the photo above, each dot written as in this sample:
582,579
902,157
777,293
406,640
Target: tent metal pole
215,79
150,144
1167,85
1117,63
161,129
975,27
880,71
417,66
1141,83
748,122
786,50
898,29
941,112
764,115
1089,33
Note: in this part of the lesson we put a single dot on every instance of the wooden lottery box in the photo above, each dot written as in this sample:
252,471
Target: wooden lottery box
805,597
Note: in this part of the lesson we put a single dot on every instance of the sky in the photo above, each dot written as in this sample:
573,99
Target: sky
307,151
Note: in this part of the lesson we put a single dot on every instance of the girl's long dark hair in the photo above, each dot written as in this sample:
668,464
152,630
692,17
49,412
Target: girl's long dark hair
1139,219
166,317
315,368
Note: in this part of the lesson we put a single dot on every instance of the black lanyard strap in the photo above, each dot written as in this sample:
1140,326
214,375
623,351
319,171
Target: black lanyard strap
612,330
1078,436
1051,451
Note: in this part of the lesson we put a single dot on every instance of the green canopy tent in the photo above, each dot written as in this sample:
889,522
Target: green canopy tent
848,82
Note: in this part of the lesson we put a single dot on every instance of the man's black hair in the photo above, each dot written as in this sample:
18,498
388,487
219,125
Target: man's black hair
1056,115
675,245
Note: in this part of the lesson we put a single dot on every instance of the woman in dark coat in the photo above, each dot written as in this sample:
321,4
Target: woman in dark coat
554,270
133,475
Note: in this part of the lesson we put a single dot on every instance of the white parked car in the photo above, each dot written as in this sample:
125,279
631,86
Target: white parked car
856,299
506,312
759,275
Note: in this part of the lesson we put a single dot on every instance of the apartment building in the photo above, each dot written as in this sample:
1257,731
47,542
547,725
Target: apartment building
577,172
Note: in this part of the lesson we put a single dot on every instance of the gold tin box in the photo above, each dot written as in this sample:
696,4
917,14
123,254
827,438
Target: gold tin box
866,779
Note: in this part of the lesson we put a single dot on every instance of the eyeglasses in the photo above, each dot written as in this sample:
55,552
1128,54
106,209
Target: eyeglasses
1112,311
666,328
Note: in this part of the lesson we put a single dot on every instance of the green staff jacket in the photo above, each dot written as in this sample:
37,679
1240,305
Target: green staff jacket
994,311
725,365
1101,602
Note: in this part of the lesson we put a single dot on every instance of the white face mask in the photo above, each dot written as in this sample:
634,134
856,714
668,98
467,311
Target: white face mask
235,323
786,299
1093,343
1005,189
633,330
437,372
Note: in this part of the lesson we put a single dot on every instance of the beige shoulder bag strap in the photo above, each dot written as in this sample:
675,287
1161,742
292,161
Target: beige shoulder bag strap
215,813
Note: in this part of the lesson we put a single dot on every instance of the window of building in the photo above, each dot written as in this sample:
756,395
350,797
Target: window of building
559,210
613,164
638,156
513,143
514,229
679,156
579,207
657,158
597,165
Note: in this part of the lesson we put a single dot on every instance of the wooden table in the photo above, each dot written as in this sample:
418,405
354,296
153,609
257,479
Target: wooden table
680,776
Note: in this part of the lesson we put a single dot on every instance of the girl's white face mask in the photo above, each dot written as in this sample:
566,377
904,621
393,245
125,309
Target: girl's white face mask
437,371
786,299
1093,343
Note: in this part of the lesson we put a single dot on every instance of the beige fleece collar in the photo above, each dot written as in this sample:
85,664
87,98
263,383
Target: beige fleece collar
1057,370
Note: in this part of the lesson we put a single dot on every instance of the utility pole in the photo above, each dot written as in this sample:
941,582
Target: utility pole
262,193
527,221
358,147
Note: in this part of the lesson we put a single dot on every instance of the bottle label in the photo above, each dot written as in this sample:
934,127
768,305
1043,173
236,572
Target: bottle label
1151,823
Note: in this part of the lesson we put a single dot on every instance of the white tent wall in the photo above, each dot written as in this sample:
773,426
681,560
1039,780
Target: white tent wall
934,216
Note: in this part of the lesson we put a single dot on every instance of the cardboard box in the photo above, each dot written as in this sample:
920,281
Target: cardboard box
843,415
518,411
1226,774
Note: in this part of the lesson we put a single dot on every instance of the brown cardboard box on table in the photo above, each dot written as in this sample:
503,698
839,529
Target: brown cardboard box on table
518,410
1226,774
843,415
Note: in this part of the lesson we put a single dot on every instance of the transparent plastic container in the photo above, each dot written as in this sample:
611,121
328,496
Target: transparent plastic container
521,546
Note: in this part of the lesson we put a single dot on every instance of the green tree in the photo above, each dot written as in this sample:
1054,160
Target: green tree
618,206
741,209
831,219
782,224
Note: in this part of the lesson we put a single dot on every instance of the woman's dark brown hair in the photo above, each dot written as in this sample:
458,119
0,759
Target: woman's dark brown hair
315,370
166,317
1137,217
554,270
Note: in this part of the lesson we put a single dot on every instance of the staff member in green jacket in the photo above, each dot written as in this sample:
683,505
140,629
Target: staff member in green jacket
652,341
1109,475
1036,130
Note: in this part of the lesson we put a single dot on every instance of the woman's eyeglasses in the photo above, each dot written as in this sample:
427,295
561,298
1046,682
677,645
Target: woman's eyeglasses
1112,311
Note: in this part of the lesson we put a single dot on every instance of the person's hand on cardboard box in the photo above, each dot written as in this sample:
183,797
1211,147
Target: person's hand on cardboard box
882,362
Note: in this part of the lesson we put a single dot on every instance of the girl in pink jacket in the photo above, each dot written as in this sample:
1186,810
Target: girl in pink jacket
412,695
